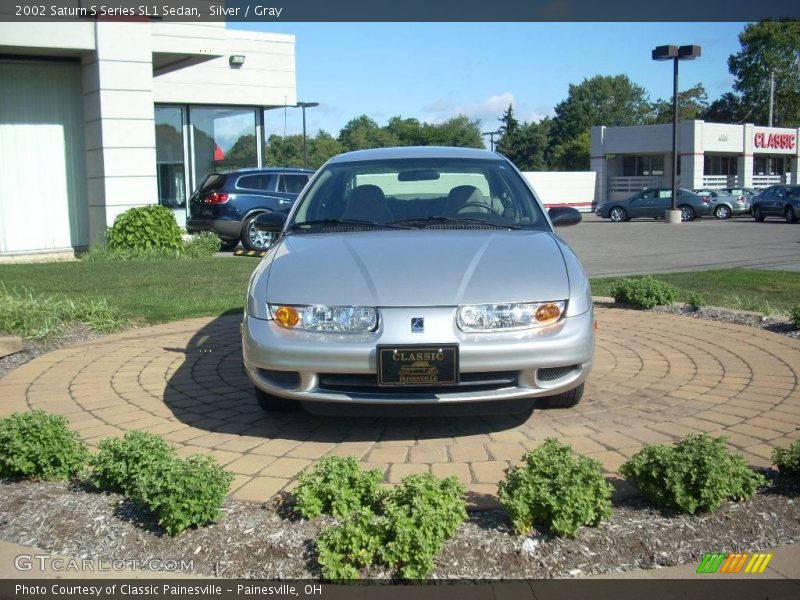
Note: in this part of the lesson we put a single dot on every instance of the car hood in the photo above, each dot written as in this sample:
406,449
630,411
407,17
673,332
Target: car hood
417,268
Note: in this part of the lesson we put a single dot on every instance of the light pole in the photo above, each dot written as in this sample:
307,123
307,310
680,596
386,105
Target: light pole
304,106
491,135
675,53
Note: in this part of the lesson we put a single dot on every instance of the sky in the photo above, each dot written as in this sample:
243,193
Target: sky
434,71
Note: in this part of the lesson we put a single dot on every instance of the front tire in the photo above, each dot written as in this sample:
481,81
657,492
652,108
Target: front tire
722,212
789,215
757,214
687,213
272,403
565,399
618,214
252,239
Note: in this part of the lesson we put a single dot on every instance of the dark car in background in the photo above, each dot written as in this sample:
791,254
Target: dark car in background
653,203
228,203
777,201
725,205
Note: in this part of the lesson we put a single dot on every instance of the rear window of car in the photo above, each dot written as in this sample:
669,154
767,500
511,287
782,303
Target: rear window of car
259,182
292,184
213,182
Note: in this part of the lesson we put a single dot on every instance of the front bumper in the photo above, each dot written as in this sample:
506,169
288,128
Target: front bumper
227,229
317,367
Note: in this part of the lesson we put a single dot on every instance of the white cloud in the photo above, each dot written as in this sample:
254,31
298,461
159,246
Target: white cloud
488,110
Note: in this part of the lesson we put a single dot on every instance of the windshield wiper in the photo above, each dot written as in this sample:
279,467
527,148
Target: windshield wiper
449,220
329,222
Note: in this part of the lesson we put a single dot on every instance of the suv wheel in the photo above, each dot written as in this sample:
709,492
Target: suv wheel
790,216
253,239
757,214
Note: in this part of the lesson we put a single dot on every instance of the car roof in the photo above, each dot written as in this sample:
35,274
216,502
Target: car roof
267,170
415,152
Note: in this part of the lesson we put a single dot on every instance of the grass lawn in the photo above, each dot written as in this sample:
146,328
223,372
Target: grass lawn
741,289
161,291
150,291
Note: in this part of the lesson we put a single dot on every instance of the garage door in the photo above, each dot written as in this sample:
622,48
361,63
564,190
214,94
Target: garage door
43,202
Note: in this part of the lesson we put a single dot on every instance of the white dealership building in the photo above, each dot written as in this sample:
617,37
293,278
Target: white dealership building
98,116
710,155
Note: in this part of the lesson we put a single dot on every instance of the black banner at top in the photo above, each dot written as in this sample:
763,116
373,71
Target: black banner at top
400,10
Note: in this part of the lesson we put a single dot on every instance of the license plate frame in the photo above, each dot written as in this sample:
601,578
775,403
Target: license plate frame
419,365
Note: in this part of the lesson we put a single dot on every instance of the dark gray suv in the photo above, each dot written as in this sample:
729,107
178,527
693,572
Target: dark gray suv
228,203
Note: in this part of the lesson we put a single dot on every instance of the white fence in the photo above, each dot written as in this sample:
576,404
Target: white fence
763,181
717,182
630,185
564,188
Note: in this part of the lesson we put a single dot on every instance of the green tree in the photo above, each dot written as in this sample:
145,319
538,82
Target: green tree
728,108
692,104
611,100
244,148
285,151
322,147
532,145
362,132
769,47
407,132
572,154
458,131
509,128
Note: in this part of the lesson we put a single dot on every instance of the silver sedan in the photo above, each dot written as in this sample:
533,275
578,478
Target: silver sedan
418,275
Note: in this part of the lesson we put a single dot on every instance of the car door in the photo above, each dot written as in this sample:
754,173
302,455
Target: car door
776,202
641,204
661,202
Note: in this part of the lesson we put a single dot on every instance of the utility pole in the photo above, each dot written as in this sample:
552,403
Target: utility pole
771,94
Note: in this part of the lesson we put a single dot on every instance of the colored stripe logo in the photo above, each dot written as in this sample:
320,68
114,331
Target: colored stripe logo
737,562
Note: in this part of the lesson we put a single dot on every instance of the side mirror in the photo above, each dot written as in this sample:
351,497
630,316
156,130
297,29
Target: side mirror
562,216
270,222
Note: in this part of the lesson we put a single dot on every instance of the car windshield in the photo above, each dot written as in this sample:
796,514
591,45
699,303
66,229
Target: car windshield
420,194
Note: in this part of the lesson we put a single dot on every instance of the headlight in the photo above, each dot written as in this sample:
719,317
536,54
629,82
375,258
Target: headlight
492,317
333,319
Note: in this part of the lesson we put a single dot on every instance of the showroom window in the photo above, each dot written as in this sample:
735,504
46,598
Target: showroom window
720,165
224,139
642,166
170,156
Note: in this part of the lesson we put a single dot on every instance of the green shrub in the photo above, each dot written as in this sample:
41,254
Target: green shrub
38,445
183,493
104,253
122,462
643,292
696,300
37,316
344,549
146,227
556,489
404,528
788,460
202,245
794,315
696,475
336,486
420,516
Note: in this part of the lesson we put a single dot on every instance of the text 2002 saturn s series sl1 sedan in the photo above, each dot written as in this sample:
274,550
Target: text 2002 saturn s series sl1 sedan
418,275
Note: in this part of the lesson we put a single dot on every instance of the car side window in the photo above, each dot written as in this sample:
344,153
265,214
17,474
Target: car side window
292,184
778,193
254,182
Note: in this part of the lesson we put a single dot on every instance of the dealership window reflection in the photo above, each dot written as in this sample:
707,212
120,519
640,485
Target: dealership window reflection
170,156
224,140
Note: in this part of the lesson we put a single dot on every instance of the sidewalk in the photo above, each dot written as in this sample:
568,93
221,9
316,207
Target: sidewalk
785,564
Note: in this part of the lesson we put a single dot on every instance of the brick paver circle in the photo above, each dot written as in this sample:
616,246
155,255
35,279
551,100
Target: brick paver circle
656,378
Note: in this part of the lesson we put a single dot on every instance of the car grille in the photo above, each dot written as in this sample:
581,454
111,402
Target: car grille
555,373
368,384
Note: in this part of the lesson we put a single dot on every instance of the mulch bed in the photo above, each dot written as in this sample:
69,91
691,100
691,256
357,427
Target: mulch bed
31,349
269,541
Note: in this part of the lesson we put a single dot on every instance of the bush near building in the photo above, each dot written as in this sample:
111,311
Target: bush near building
643,292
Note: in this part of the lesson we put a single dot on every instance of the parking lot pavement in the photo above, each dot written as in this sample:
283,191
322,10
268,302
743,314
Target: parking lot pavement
650,246
656,378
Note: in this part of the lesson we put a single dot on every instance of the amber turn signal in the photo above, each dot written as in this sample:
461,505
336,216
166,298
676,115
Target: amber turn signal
547,313
287,316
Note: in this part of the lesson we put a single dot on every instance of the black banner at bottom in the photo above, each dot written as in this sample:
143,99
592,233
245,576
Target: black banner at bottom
555,589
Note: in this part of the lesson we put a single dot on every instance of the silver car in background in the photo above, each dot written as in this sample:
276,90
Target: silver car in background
725,205
418,276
